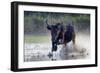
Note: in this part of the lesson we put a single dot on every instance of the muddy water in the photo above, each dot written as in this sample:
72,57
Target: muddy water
42,51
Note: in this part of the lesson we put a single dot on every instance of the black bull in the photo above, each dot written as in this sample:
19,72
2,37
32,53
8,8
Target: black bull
69,35
53,29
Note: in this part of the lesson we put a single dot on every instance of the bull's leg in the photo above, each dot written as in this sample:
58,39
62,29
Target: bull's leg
54,49
54,57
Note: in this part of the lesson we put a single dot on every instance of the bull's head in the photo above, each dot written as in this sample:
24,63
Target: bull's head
54,29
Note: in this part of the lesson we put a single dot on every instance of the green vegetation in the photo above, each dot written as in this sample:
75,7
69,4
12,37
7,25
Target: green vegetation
40,16
36,39
35,21
35,28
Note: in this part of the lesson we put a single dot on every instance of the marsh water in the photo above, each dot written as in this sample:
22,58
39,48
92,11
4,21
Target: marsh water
41,51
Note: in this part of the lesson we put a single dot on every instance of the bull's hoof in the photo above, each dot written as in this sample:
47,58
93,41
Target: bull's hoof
50,55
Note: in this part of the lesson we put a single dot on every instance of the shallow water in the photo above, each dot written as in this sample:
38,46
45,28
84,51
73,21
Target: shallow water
42,51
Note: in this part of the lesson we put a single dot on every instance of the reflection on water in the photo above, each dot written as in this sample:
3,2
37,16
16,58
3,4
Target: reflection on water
41,51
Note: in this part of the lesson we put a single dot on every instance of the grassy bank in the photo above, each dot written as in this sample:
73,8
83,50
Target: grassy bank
36,39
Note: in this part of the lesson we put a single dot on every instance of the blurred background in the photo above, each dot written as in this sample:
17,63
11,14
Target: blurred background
34,24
